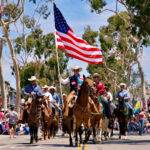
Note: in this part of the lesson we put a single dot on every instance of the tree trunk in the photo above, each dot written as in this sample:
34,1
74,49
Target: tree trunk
142,82
16,67
2,83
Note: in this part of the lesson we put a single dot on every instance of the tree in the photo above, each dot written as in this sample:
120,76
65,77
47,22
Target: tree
2,85
120,52
138,13
10,14
41,60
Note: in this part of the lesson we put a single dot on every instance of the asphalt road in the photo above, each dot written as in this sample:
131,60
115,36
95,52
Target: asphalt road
61,143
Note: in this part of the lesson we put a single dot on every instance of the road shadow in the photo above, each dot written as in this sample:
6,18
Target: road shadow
127,142
43,145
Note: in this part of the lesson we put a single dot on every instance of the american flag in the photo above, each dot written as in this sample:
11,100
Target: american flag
72,45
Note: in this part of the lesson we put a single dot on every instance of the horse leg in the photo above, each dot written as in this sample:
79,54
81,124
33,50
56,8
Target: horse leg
80,134
70,139
36,133
100,130
87,136
31,134
120,129
94,135
76,137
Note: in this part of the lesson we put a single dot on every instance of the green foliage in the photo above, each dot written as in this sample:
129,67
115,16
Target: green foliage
26,72
28,22
118,51
90,36
44,62
97,5
139,16
11,11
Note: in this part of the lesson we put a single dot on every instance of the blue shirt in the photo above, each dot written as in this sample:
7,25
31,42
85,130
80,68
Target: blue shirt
33,88
124,94
57,98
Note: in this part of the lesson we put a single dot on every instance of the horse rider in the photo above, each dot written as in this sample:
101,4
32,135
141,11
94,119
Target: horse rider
123,97
47,95
124,109
75,80
57,102
33,89
100,87
104,96
104,99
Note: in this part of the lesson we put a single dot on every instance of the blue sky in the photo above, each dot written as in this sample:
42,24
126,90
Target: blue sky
78,16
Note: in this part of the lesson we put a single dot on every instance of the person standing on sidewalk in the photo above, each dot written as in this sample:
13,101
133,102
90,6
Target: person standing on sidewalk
141,121
12,115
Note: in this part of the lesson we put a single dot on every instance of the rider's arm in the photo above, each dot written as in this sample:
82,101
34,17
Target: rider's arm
37,90
64,81
27,90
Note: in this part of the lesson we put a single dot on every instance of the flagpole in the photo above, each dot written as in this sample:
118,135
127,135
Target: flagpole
58,67
57,57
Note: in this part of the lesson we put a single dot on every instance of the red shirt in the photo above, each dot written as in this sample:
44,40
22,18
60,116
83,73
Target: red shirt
100,88
1,116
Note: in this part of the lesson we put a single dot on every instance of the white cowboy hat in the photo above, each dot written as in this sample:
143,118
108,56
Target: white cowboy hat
45,87
122,84
64,94
76,68
52,87
2,109
96,75
22,101
33,78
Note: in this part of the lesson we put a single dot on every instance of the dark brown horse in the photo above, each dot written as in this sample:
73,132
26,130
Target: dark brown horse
83,110
34,118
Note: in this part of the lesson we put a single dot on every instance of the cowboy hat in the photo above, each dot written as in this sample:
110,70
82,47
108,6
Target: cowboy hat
33,78
45,87
22,101
52,87
76,68
96,75
122,84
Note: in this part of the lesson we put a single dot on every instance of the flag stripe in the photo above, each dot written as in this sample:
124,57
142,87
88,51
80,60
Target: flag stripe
78,48
76,38
83,46
80,57
71,47
69,39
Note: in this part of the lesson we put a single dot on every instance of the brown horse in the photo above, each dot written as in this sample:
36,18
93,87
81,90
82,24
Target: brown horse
67,121
83,110
34,118
46,119
97,118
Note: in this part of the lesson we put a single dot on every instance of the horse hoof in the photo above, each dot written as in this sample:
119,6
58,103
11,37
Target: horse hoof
71,144
36,140
31,141
94,142
76,144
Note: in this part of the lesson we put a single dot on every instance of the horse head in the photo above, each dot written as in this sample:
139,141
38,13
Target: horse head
90,86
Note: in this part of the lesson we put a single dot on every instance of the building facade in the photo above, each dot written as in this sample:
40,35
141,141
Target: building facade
10,93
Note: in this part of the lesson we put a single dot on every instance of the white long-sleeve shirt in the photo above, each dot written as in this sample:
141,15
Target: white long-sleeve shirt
65,81
49,95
